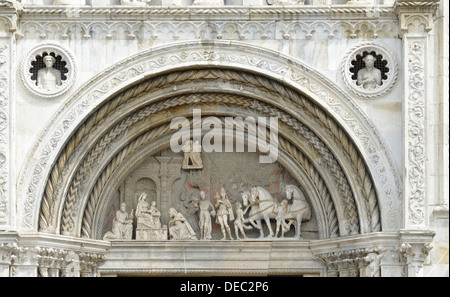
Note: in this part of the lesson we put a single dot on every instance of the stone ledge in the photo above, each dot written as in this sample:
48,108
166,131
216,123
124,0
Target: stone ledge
148,12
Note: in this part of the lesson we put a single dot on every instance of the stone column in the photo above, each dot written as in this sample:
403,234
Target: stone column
416,21
163,198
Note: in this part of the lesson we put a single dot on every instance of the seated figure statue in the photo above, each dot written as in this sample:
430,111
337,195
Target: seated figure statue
122,225
148,220
179,228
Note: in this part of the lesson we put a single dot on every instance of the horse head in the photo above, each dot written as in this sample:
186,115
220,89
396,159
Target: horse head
293,192
245,198
254,194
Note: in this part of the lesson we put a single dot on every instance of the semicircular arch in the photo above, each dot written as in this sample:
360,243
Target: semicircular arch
281,70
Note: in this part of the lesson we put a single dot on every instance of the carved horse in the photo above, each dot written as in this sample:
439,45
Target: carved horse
295,208
263,207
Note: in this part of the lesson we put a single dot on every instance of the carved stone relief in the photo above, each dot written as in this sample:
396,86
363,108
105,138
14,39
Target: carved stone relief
305,82
369,70
196,29
48,70
4,134
210,204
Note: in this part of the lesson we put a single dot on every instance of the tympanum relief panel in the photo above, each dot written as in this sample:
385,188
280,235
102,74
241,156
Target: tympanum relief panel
223,200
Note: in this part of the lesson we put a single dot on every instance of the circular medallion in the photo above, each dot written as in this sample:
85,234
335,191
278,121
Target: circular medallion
369,71
48,70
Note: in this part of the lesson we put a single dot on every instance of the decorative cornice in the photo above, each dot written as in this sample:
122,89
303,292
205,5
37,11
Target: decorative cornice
237,11
416,5
415,15
11,4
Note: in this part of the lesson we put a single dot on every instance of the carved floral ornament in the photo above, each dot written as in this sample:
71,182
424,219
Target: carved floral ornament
369,71
48,70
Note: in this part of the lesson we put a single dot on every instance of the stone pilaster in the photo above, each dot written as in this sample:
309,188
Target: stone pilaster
416,19
9,12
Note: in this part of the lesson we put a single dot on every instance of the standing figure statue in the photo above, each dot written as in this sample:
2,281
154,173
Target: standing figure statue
205,217
369,77
48,78
224,213
179,228
122,225
239,221
192,158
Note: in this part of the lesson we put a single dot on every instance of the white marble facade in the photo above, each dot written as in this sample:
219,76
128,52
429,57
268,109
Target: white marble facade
87,88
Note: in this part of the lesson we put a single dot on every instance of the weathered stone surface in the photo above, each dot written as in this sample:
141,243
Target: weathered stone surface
369,158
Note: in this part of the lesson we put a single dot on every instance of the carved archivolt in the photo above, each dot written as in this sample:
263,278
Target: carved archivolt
91,142
131,71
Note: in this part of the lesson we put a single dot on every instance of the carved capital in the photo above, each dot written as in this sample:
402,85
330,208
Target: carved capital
415,247
353,263
89,263
416,17
50,261
7,251
9,15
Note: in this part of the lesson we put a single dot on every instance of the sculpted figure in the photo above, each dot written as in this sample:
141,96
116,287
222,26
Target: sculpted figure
122,225
179,228
156,215
296,209
147,216
205,217
188,208
48,78
192,157
239,221
369,77
224,212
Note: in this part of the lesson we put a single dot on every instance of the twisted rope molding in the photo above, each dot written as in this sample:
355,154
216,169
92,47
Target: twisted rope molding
234,10
173,77
163,130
